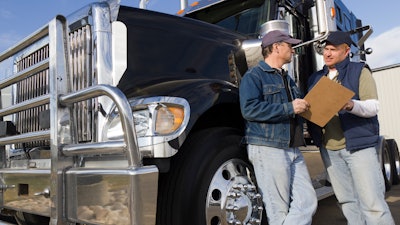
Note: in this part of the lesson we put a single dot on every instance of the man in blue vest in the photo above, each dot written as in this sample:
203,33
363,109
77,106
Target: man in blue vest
347,142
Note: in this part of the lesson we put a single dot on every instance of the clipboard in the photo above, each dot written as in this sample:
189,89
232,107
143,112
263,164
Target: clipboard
326,98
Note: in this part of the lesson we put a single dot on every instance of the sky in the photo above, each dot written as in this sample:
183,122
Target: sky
19,18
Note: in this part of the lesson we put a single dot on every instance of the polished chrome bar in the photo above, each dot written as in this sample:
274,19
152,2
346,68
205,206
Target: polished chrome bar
25,73
26,137
41,100
38,34
133,154
112,147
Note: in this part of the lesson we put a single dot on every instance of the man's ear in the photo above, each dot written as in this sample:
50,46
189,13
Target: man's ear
348,49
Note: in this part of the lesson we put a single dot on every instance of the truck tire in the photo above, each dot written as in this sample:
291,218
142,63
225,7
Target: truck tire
210,182
395,160
386,165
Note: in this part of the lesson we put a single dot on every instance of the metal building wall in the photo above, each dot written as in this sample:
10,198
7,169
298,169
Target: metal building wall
388,84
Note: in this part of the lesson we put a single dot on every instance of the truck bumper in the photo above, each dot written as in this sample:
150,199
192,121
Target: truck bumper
94,196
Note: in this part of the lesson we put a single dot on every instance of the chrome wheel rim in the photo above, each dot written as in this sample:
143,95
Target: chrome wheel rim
232,196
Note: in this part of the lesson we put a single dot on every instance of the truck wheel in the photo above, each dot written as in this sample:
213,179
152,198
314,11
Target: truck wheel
210,183
395,158
386,166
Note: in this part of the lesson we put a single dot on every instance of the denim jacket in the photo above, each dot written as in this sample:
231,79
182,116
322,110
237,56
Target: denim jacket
266,108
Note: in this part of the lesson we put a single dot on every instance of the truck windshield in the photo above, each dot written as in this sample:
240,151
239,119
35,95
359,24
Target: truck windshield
244,17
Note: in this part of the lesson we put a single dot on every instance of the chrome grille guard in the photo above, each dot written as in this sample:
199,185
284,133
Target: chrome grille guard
58,97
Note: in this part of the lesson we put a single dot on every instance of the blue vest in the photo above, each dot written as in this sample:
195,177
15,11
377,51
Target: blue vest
359,132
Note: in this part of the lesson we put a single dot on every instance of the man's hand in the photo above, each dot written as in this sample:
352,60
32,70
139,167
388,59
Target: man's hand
348,106
300,105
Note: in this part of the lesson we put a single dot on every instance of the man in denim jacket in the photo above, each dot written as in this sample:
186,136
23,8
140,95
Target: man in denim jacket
270,102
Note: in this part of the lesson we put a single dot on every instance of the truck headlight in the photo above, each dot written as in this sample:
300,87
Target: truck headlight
156,116
168,119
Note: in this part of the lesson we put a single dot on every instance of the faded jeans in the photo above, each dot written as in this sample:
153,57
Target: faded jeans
284,182
358,183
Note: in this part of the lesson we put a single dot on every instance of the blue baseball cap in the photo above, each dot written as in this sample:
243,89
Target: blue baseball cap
338,38
278,36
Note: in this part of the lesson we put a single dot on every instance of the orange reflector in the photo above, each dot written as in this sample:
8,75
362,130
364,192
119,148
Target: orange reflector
182,10
333,12
194,4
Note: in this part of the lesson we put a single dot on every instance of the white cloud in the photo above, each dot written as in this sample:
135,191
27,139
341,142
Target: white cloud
386,48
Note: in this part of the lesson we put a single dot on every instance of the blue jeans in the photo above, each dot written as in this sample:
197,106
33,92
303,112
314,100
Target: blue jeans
358,183
284,182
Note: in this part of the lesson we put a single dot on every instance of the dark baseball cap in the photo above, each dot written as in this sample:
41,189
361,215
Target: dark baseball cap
278,36
338,38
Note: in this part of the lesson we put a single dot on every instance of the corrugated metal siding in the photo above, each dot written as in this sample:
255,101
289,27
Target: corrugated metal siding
388,85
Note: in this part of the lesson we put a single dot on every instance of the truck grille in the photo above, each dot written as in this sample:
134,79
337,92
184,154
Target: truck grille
82,77
37,85
32,87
